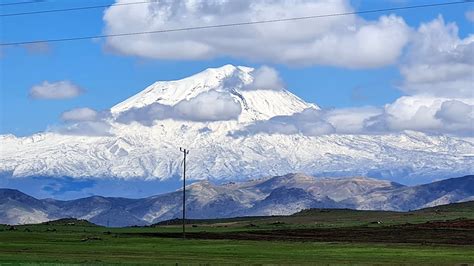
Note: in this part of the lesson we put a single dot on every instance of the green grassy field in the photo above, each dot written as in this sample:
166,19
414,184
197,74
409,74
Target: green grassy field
58,242
334,218
67,247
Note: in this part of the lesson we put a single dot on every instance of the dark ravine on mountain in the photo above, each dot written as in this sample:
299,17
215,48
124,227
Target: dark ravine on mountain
279,195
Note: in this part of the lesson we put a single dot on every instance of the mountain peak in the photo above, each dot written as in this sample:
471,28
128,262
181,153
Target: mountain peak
228,69
174,91
233,81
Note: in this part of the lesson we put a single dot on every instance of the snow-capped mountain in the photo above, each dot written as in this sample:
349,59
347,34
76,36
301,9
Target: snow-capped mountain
256,104
130,150
278,195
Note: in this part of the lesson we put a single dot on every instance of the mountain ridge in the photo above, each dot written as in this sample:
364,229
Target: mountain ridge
279,195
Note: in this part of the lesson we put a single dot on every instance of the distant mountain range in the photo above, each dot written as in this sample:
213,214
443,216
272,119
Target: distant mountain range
279,195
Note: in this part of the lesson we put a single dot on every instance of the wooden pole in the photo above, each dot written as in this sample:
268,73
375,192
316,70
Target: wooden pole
185,152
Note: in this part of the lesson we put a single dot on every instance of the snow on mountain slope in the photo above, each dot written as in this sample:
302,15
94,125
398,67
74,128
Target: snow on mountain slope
134,150
256,104
280,195
153,153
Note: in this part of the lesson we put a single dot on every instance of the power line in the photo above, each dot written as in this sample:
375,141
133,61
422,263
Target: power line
74,8
232,24
22,3
133,3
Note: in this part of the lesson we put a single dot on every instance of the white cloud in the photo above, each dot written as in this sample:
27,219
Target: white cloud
470,15
407,112
457,116
84,122
265,78
55,90
146,115
205,107
309,122
347,41
432,115
351,120
79,114
438,62
209,106
426,114
85,128
438,72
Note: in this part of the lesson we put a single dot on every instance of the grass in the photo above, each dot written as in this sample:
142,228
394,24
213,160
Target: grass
333,218
75,247
62,242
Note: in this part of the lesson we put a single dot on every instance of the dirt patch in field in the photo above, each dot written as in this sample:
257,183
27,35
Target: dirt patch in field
457,232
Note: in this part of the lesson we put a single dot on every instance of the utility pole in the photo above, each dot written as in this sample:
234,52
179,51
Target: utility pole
185,152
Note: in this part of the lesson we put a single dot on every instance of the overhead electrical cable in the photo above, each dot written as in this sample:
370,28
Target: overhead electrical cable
75,8
152,1
101,36
22,3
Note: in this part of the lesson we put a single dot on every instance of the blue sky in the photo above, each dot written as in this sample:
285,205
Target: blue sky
410,70
108,77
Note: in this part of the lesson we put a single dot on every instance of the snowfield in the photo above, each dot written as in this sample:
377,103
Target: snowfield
151,151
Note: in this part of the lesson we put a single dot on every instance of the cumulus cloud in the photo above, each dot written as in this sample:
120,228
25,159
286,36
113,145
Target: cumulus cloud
84,122
313,122
426,114
146,115
351,120
438,76
85,128
265,78
438,62
455,112
310,122
55,90
205,107
79,114
457,116
432,115
209,106
346,41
